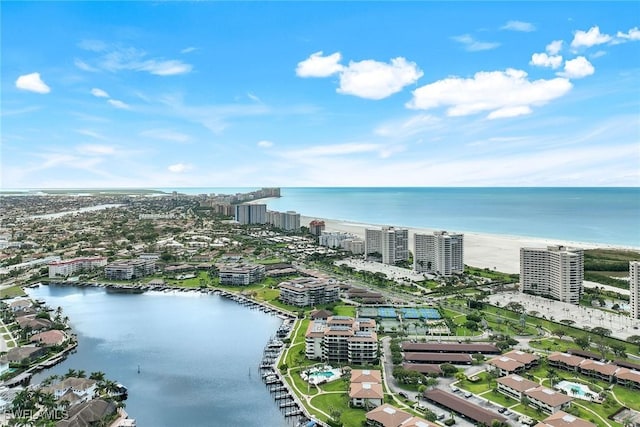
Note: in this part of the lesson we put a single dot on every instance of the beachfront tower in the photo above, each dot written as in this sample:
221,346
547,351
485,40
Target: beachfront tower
392,243
554,272
251,214
440,253
634,289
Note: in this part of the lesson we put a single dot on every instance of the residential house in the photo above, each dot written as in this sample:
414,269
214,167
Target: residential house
386,416
600,370
549,401
82,389
49,338
24,354
562,419
628,377
515,386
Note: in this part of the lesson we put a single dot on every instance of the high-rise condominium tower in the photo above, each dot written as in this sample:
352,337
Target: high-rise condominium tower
634,289
554,272
441,253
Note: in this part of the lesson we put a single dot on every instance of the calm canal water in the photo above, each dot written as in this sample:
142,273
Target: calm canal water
198,354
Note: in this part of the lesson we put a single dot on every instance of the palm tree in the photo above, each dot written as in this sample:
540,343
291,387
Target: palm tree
71,373
81,374
97,376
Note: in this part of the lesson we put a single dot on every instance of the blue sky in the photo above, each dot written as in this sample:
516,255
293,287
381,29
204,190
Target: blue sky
209,94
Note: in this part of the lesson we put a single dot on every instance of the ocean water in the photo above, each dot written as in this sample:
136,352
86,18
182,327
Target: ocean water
591,215
198,354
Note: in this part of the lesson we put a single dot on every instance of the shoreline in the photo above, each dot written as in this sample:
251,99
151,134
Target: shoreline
483,250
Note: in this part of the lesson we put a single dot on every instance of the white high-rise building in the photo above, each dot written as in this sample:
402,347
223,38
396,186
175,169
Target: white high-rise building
634,289
372,241
554,272
392,243
251,214
441,253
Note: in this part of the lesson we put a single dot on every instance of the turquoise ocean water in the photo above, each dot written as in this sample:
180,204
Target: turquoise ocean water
598,215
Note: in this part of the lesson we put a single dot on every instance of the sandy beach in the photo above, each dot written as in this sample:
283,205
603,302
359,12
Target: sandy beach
480,250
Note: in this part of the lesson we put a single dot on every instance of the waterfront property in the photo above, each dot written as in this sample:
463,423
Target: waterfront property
68,267
130,269
342,339
309,291
391,243
440,253
634,289
240,274
554,272
73,390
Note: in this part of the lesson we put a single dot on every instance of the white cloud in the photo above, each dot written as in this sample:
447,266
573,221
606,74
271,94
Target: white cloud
92,134
189,49
33,83
119,104
632,34
473,45
162,68
334,150
167,135
317,65
519,26
83,65
554,47
577,68
265,144
96,149
406,128
117,58
597,54
253,97
502,93
99,93
377,80
179,167
93,45
544,60
589,38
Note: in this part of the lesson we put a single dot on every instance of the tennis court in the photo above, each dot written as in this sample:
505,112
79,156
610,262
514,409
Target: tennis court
387,313
369,312
430,313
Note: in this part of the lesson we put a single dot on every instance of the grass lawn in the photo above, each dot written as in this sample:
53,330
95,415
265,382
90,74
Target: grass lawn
499,398
13,291
345,310
302,385
529,412
476,387
582,413
350,417
627,396
337,385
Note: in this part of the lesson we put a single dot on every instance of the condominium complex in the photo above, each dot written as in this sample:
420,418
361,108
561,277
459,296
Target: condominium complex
440,253
392,243
342,339
240,274
309,291
130,269
316,227
69,267
251,214
634,289
288,221
554,272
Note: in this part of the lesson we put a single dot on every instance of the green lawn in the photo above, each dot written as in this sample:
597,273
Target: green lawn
350,417
13,291
476,387
499,398
338,385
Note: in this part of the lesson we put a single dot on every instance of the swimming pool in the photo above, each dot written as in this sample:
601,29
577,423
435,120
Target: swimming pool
321,375
578,390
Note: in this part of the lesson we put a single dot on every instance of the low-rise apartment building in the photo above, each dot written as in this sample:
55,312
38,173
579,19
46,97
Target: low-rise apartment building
68,267
365,389
309,291
130,269
342,339
240,274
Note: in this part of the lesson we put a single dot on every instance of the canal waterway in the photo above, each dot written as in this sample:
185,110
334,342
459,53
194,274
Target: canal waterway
198,354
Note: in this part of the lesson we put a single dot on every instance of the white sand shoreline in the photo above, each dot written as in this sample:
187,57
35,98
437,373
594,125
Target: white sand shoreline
483,250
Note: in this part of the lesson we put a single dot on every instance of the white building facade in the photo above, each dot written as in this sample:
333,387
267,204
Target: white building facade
392,243
555,272
634,289
440,253
251,214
